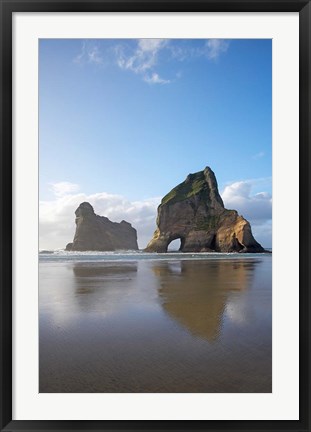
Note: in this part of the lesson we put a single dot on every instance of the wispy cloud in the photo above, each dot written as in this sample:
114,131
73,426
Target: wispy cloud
90,53
63,188
258,155
142,59
152,45
94,55
211,49
155,79
215,47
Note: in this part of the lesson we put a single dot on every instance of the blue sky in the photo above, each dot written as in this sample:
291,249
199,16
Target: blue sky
124,121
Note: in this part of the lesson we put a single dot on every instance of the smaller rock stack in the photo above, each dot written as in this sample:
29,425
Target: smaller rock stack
98,233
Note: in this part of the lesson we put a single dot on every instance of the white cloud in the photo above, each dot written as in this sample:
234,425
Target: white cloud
215,47
152,45
211,49
144,56
94,55
63,188
238,196
142,59
90,53
79,58
256,208
57,217
155,79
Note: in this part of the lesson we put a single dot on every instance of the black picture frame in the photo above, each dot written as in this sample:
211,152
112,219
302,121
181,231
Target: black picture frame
7,9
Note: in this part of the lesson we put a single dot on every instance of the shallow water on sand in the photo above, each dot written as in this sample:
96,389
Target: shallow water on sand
155,325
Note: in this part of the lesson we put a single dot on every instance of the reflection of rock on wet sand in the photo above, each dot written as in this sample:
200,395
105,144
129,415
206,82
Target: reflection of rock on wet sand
195,293
101,285
100,269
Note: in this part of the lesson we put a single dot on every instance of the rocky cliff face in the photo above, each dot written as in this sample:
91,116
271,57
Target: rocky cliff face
194,213
98,233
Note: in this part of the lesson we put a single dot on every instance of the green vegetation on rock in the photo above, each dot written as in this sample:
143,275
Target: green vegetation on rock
193,184
207,224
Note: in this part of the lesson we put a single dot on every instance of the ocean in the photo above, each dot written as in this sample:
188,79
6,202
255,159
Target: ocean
148,323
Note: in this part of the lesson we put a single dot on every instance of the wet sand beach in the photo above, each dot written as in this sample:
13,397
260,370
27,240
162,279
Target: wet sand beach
175,325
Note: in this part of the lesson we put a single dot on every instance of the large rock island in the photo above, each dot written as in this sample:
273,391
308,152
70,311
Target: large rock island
98,233
194,213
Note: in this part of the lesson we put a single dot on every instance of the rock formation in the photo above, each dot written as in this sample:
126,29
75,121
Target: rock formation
98,233
194,213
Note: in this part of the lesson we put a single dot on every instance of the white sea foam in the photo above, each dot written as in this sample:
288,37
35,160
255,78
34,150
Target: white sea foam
91,256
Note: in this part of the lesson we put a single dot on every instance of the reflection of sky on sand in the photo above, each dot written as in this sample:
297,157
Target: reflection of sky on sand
254,306
95,290
196,294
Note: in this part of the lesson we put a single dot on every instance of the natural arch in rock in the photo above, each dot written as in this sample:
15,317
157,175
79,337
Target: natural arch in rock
194,212
176,244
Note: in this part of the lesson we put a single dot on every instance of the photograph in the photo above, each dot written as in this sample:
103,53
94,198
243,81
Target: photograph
155,215
155,222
